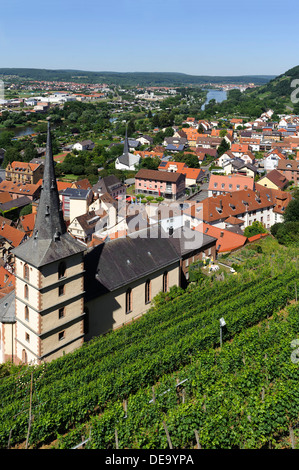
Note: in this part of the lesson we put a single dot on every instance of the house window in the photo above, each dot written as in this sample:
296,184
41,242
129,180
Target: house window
26,313
26,271
61,290
61,312
165,281
148,291
61,335
61,270
26,292
27,337
129,300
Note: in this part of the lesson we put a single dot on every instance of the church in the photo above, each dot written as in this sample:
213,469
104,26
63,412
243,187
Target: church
66,294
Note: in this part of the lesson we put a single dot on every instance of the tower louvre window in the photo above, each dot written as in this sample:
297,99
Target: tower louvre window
26,271
61,270
26,291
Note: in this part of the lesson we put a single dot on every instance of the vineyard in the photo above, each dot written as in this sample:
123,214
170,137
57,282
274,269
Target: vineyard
165,381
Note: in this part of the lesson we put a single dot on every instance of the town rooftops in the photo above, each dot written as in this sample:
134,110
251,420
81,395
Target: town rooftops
234,204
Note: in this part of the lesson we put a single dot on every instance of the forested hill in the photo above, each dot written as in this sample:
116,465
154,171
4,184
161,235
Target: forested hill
131,78
278,94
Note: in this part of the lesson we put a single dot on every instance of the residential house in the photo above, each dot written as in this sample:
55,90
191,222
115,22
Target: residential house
75,202
290,169
237,166
83,226
222,184
227,241
239,149
23,172
274,179
145,140
32,191
207,142
247,205
192,135
193,175
160,183
84,145
81,184
111,185
270,161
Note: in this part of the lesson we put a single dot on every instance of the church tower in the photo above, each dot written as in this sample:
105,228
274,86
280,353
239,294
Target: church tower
49,288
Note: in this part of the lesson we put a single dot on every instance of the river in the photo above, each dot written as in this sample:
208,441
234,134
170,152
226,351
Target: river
218,95
19,131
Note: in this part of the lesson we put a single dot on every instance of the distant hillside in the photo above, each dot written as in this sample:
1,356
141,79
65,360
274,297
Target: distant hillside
131,78
276,95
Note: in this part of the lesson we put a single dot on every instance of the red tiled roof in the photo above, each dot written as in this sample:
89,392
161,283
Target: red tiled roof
18,188
24,165
226,240
230,182
28,222
12,235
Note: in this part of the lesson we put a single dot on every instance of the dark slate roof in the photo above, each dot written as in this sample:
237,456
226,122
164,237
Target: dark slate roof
185,240
14,203
157,175
106,184
50,240
119,262
75,193
7,308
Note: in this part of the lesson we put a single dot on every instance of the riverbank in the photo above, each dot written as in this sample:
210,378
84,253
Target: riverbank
214,94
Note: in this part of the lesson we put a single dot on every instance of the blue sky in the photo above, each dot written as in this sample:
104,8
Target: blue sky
190,36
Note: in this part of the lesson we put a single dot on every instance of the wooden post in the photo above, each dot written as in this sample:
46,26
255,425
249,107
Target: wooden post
125,406
292,437
197,438
167,435
30,409
154,396
183,395
116,439
9,438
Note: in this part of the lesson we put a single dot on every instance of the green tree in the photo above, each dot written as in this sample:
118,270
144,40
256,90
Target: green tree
223,147
292,211
254,229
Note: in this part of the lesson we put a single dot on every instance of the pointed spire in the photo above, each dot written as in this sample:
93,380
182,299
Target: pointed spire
49,219
126,145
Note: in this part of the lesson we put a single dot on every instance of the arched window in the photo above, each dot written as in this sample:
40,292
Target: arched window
26,291
61,269
165,281
24,356
147,291
26,271
129,300
26,313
